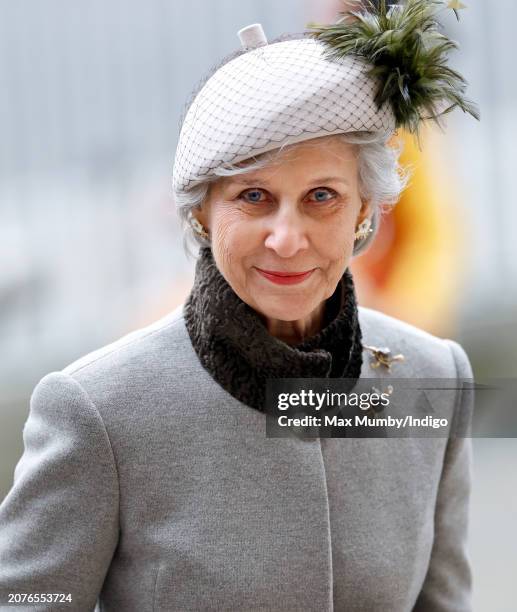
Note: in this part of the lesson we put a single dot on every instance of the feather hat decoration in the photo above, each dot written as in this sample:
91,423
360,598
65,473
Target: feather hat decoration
408,57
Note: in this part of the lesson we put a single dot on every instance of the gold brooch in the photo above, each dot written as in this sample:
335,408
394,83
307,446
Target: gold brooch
383,356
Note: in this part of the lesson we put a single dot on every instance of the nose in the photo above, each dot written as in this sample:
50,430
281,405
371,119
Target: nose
287,232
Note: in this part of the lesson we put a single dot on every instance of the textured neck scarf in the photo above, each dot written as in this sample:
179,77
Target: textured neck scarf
234,345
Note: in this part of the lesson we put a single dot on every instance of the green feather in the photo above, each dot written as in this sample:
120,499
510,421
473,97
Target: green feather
408,56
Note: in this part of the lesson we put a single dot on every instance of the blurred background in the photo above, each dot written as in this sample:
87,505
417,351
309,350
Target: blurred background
90,246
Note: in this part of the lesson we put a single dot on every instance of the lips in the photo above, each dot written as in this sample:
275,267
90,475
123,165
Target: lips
275,273
285,278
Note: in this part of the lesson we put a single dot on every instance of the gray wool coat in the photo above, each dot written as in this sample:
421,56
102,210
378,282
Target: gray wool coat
145,486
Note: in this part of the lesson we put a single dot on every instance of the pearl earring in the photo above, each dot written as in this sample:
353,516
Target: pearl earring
198,228
364,228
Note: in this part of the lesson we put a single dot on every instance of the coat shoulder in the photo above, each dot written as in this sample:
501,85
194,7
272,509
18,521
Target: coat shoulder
425,355
141,354
376,324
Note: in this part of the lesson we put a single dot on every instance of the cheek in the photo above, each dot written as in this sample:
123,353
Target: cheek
337,234
225,227
230,240
233,232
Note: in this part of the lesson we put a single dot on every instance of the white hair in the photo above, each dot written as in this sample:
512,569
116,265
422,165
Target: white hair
381,180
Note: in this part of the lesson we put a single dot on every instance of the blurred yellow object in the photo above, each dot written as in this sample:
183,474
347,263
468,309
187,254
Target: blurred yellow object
456,5
414,269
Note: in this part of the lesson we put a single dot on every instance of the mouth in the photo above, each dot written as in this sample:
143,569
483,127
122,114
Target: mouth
285,278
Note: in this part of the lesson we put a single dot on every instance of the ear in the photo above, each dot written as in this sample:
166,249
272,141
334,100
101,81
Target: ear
197,213
201,214
365,211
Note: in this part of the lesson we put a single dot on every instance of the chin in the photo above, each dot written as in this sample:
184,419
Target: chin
283,309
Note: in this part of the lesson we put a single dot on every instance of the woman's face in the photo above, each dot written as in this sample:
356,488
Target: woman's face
297,215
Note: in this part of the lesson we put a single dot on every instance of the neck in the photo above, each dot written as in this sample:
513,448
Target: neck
294,332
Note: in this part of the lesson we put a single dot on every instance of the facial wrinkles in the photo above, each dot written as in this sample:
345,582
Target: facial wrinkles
228,217
239,228
222,232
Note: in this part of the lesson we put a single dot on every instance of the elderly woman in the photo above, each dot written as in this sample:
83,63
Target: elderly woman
148,481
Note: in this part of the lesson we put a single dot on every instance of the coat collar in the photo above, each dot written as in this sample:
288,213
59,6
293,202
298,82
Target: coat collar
235,347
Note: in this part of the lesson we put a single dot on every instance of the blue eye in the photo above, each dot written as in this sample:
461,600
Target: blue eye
324,192
252,195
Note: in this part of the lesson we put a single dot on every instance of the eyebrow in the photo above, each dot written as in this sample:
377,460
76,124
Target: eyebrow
318,181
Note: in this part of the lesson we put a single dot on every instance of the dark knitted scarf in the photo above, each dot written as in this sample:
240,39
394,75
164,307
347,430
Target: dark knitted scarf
236,348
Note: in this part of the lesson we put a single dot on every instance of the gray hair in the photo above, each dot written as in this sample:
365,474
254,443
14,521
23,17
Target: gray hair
381,181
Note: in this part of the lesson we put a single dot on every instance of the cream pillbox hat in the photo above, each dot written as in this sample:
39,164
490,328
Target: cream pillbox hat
271,95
